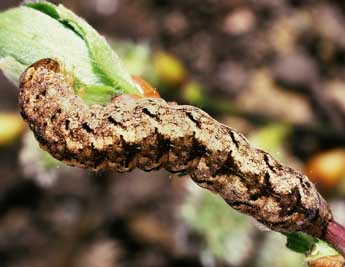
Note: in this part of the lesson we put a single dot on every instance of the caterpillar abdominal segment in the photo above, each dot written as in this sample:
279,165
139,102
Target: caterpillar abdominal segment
152,134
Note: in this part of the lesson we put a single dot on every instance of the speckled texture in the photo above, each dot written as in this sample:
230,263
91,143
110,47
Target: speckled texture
152,134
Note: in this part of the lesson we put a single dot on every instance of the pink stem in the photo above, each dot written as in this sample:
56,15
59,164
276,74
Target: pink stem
335,235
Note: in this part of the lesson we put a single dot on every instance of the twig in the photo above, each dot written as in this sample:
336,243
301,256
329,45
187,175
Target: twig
335,235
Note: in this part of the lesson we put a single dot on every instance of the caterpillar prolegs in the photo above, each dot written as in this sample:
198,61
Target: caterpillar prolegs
152,134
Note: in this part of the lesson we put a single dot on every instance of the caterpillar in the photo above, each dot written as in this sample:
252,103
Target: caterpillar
150,134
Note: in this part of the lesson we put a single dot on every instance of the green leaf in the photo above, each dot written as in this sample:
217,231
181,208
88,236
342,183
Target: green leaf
300,242
321,249
106,64
96,94
27,35
11,68
43,30
45,7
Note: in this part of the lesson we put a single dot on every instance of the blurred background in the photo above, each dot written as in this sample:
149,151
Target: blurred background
273,69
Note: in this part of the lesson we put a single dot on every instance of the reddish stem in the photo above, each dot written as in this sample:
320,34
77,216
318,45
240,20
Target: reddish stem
335,235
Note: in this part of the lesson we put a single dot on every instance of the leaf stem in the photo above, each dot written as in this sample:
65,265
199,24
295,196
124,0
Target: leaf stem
335,235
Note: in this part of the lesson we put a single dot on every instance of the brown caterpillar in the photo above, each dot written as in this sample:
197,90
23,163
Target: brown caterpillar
152,134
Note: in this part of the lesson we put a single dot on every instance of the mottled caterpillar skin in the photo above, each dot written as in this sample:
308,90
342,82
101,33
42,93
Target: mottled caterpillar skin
152,134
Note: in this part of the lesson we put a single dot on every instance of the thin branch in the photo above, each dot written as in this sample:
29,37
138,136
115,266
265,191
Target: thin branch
335,235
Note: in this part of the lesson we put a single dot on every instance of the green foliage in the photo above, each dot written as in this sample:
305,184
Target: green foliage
300,242
321,249
11,68
43,30
94,94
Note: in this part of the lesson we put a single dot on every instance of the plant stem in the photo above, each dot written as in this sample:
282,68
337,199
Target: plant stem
335,235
